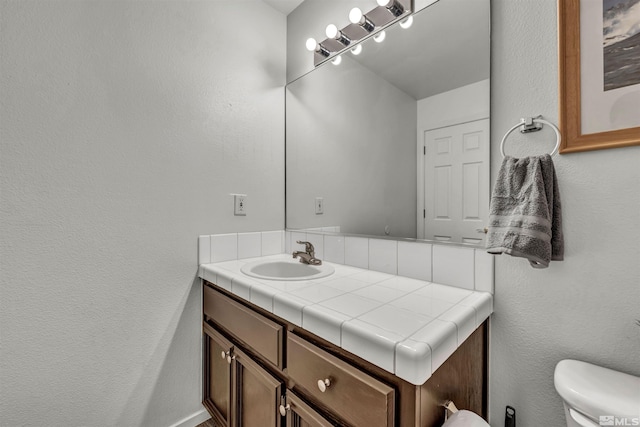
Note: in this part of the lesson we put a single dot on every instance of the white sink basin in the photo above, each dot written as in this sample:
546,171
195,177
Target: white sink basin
286,270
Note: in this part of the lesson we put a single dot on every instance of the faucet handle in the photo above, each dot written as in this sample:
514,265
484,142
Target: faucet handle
308,247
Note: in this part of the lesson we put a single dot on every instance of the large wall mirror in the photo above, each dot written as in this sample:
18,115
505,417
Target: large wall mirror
395,140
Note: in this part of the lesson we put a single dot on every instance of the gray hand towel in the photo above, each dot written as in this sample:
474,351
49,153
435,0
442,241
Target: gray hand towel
525,218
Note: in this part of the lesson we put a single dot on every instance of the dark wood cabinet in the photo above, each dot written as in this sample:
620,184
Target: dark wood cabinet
217,375
248,327
256,394
261,371
357,398
238,391
299,414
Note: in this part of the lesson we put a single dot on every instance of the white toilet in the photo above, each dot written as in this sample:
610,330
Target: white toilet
594,396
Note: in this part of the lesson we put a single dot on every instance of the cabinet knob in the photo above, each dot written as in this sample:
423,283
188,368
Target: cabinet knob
227,355
324,384
284,409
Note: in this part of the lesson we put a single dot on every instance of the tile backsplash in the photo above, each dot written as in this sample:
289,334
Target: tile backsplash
232,246
459,266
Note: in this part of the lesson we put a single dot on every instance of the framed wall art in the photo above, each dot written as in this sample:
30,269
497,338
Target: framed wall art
599,74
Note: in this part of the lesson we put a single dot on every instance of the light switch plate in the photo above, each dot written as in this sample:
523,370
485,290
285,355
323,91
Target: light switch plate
319,205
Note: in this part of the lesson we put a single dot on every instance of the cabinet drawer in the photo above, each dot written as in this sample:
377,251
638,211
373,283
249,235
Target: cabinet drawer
251,328
357,398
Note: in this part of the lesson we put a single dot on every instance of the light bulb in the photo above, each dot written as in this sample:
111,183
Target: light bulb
337,60
314,46
355,16
334,33
384,2
406,23
379,38
356,50
331,31
311,44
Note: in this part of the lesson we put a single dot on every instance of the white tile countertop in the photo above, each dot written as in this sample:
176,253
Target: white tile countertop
406,326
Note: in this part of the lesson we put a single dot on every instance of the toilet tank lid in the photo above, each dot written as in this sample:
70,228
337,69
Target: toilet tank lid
465,419
595,391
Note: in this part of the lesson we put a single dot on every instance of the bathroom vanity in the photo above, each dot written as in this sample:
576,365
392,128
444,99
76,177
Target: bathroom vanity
262,369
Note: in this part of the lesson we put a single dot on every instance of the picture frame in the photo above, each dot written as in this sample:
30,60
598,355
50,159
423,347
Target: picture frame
571,58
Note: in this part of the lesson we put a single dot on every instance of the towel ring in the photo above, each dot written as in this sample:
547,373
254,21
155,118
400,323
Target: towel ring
530,127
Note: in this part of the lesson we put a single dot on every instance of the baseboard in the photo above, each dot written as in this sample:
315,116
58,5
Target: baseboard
194,419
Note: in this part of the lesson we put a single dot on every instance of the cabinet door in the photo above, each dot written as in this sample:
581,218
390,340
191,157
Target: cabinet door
256,394
299,414
217,375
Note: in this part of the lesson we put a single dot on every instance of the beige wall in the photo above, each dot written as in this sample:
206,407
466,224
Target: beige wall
123,128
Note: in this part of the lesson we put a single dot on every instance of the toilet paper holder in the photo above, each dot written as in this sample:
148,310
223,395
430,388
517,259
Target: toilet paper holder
449,409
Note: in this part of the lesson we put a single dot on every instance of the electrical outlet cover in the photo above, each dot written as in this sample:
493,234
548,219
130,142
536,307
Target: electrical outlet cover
240,204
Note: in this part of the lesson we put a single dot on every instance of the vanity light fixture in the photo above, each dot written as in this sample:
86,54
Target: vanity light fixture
395,8
357,17
407,22
334,33
379,38
314,46
361,27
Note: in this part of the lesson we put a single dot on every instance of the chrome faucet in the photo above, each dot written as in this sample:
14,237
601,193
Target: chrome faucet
309,254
